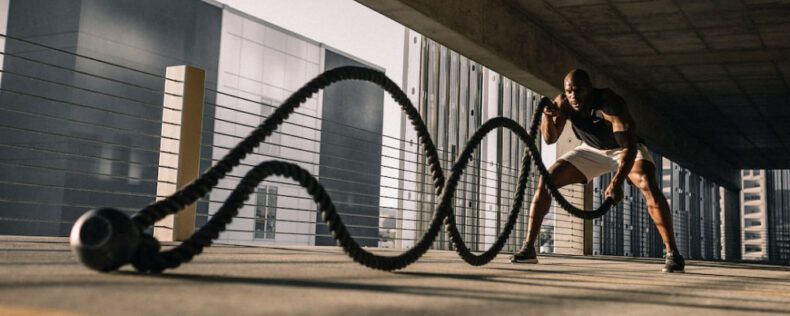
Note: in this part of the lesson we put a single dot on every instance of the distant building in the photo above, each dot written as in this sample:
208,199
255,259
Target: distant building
455,95
778,200
388,228
74,141
754,215
766,215
265,64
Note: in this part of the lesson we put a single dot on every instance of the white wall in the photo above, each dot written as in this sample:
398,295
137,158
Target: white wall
354,29
264,63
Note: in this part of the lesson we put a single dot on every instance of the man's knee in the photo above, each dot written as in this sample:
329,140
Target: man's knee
649,190
558,178
541,193
641,182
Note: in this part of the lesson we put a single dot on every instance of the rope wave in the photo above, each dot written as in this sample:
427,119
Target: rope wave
149,259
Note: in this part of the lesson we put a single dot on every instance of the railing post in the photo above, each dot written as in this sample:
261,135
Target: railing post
179,150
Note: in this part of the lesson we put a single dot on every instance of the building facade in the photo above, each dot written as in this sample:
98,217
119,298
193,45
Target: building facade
261,65
778,222
766,215
455,96
78,133
754,215
82,115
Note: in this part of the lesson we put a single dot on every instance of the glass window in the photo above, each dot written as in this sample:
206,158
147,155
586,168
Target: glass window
271,145
751,209
750,184
752,222
753,248
751,197
271,212
266,212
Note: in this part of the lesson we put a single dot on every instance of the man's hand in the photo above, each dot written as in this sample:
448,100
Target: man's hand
551,109
553,119
615,192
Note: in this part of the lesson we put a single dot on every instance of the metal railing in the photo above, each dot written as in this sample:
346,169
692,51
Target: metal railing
99,135
75,139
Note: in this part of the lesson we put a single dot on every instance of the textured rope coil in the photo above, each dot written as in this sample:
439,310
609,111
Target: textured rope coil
148,257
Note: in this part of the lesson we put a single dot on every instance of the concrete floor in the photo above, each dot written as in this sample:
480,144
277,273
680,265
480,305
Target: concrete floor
40,276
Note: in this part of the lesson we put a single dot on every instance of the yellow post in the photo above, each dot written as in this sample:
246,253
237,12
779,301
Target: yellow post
179,150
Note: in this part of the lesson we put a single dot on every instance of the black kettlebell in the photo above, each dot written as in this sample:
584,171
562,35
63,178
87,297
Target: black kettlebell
104,239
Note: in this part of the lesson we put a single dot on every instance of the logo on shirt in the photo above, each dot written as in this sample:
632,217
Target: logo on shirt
597,116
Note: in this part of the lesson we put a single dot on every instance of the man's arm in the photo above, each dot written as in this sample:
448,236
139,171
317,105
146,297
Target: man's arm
553,120
616,112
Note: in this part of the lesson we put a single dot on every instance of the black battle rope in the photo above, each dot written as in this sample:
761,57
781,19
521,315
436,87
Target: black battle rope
148,257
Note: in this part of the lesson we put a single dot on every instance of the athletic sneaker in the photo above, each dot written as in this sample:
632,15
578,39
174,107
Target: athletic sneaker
527,254
674,263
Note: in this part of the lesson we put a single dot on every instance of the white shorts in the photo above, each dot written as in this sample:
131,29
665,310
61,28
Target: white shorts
593,162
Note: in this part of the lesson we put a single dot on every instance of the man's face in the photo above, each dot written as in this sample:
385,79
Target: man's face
577,94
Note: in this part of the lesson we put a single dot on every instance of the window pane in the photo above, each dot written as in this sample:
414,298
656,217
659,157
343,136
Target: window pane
271,212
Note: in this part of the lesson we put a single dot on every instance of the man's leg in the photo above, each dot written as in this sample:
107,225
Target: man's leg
562,173
643,176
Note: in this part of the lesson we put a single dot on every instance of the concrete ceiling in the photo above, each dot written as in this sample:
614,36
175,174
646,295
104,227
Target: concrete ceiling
719,69
706,80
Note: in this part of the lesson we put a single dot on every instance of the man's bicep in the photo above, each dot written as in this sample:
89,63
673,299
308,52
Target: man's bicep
616,112
622,123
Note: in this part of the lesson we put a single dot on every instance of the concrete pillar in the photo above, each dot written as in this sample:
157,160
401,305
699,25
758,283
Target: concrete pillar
179,156
588,224
572,235
731,224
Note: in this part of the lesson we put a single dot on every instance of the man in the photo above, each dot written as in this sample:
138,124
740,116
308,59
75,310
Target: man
600,118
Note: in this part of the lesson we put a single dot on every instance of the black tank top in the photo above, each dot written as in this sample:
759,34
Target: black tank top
590,126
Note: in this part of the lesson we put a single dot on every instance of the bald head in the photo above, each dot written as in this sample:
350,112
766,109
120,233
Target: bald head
578,77
578,88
